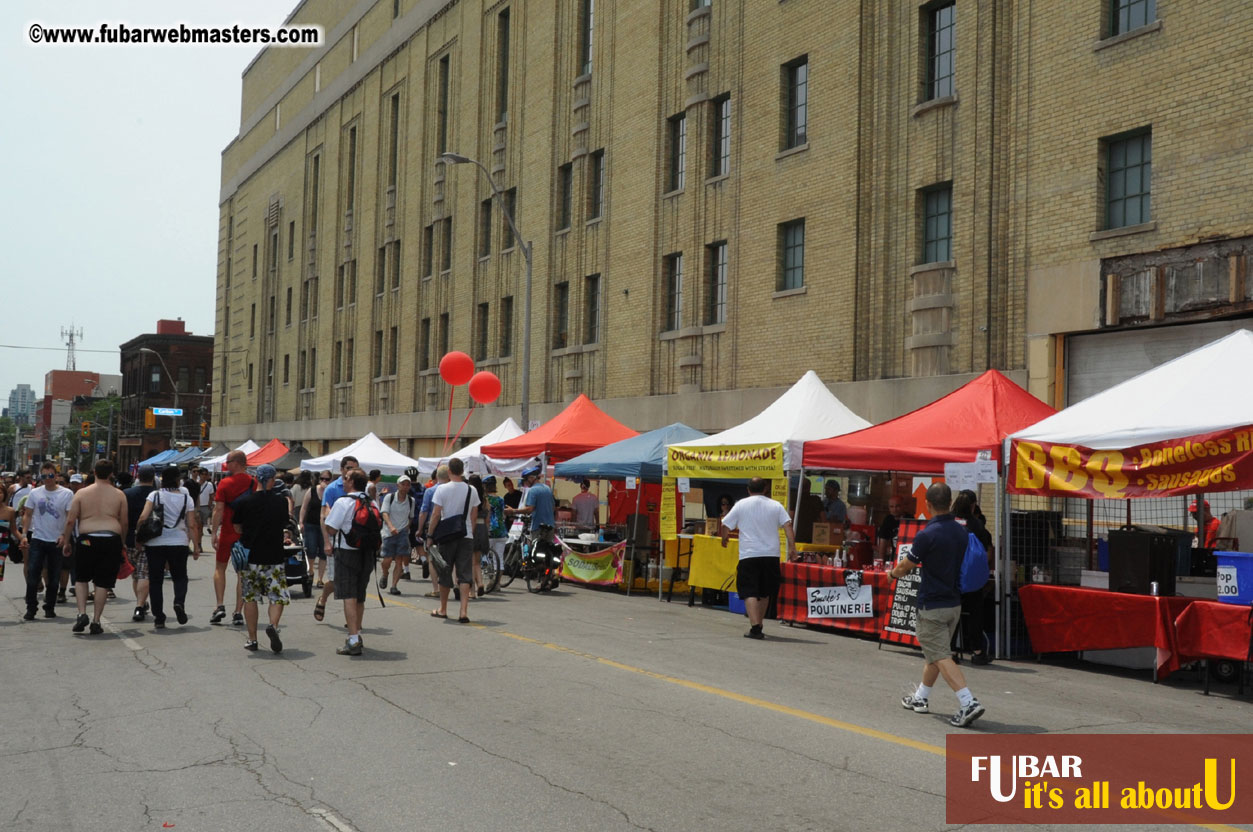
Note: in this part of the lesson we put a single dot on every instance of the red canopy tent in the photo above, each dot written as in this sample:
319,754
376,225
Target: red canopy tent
975,417
268,452
580,428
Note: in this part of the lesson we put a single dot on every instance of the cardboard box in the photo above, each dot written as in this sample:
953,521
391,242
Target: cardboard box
828,534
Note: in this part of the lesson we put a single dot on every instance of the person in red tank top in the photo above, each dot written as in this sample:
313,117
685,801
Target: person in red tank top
222,529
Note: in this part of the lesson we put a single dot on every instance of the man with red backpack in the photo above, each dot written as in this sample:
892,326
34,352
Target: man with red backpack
356,536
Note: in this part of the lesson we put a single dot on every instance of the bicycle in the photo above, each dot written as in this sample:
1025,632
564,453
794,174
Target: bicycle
539,565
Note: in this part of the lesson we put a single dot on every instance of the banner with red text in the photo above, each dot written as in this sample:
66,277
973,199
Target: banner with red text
1218,461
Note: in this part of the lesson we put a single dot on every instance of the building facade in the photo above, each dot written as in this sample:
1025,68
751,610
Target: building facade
22,404
720,196
170,368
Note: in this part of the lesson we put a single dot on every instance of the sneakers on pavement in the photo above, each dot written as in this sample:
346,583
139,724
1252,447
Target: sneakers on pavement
218,615
980,659
755,632
383,583
276,644
967,715
139,614
251,646
30,614
95,628
49,612
910,702
350,648
238,619
180,614
61,597
80,623
394,591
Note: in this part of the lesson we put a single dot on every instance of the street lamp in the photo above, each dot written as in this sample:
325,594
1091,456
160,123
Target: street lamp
458,159
173,419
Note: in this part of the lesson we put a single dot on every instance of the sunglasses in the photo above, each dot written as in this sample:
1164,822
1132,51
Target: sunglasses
48,476
325,479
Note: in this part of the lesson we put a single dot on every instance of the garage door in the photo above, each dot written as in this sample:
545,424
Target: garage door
1098,361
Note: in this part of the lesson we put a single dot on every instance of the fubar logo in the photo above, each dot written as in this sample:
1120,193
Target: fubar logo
1100,778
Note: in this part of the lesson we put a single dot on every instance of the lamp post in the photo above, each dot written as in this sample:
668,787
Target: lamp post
458,159
174,387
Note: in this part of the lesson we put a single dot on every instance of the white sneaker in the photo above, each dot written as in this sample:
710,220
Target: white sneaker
910,702
967,715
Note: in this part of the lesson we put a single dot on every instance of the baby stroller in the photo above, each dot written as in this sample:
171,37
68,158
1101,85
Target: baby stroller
297,565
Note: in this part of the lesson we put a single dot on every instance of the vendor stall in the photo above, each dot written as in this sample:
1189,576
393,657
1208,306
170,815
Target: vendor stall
1134,447
476,462
292,459
214,464
267,453
768,446
580,428
370,451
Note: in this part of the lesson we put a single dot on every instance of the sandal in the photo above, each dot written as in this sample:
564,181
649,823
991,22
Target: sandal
319,612
463,620
438,614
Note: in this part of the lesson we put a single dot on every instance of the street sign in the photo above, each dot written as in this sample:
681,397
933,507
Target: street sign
100,447
167,411
84,447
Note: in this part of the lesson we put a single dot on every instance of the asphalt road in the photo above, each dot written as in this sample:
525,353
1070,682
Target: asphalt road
580,710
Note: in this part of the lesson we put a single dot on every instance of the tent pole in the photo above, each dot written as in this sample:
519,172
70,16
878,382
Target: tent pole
1004,580
631,528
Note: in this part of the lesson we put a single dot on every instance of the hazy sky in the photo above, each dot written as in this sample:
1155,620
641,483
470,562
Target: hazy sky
111,165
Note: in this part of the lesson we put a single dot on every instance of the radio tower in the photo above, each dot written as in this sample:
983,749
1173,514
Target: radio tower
71,336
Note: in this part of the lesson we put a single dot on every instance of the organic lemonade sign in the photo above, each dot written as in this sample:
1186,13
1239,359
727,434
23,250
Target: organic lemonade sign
1218,461
725,462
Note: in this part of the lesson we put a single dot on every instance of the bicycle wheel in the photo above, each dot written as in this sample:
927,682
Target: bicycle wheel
489,570
536,577
513,559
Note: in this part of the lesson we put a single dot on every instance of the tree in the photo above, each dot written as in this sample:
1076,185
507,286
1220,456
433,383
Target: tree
8,435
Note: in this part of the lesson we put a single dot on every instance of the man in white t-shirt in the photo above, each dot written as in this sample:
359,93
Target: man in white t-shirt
43,519
586,505
453,498
759,519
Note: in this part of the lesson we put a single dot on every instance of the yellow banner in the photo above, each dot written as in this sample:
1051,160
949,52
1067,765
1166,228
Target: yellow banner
712,566
725,462
603,568
669,509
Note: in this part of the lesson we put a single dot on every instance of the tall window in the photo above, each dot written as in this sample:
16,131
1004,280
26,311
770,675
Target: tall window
937,225
596,185
796,95
393,263
480,333
506,327
428,250
252,321
302,369
348,359
441,135
941,49
339,287
716,283
587,19
561,315
272,318
313,296
199,388
791,255
380,271
291,240
565,187
591,309
254,261
720,137
315,180
674,293
444,325
511,210
676,141
337,363
287,314
392,357
351,267
424,345
313,367
286,368
351,175
502,65
393,158
230,247
250,377
378,353
184,380
446,254
1128,174
1126,15
485,227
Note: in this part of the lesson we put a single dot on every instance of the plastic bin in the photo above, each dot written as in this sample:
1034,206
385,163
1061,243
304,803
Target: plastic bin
735,604
1235,577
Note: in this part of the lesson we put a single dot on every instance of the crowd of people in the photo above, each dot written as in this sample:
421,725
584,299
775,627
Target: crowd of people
84,534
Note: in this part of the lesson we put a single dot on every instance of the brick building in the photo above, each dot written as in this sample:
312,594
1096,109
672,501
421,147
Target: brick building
145,384
722,195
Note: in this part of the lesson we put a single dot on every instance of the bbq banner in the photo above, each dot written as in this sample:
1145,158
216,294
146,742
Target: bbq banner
1218,461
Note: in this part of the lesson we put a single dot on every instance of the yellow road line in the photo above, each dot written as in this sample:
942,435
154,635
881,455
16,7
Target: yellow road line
764,704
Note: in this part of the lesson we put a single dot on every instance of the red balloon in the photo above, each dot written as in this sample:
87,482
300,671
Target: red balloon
485,387
456,368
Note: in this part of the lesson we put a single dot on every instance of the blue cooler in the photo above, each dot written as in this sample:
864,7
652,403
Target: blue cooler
1235,577
736,605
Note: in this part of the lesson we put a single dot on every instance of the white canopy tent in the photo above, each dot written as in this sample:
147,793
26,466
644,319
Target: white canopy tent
214,465
478,463
370,451
1156,405
807,411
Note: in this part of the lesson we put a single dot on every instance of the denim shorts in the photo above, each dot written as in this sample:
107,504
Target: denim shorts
397,545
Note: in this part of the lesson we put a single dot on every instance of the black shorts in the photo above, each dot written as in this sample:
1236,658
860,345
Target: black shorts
97,558
459,555
757,577
353,569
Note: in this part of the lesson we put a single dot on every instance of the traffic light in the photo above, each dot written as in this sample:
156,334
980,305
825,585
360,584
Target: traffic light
86,430
204,430
150,419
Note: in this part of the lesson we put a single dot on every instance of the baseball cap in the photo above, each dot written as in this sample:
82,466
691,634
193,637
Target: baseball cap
403,478
265,473
531,471
1192,507
76,478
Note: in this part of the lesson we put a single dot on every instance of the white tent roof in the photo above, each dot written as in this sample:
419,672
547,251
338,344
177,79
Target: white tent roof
215,463
370,451
1162,403
807,411
475,461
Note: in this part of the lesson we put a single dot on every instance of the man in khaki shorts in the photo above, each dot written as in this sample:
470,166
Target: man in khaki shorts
939,549
99,510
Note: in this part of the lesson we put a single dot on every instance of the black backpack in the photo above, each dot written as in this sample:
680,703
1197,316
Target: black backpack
366,531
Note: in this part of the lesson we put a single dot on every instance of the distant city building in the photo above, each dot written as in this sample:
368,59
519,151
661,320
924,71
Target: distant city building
67,384
189,361
22,404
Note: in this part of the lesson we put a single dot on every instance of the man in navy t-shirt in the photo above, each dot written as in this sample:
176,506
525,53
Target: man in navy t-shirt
939,549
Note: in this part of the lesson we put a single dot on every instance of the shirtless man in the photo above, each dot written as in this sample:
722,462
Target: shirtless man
99,510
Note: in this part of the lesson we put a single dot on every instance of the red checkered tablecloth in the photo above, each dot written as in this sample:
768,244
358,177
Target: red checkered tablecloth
797,578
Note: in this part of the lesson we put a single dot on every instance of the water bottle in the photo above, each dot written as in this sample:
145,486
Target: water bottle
600,536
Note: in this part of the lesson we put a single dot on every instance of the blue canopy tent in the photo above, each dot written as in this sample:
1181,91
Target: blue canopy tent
160,458
642,456
185,456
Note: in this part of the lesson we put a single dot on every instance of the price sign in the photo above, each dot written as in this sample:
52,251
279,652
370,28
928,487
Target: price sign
1228,582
